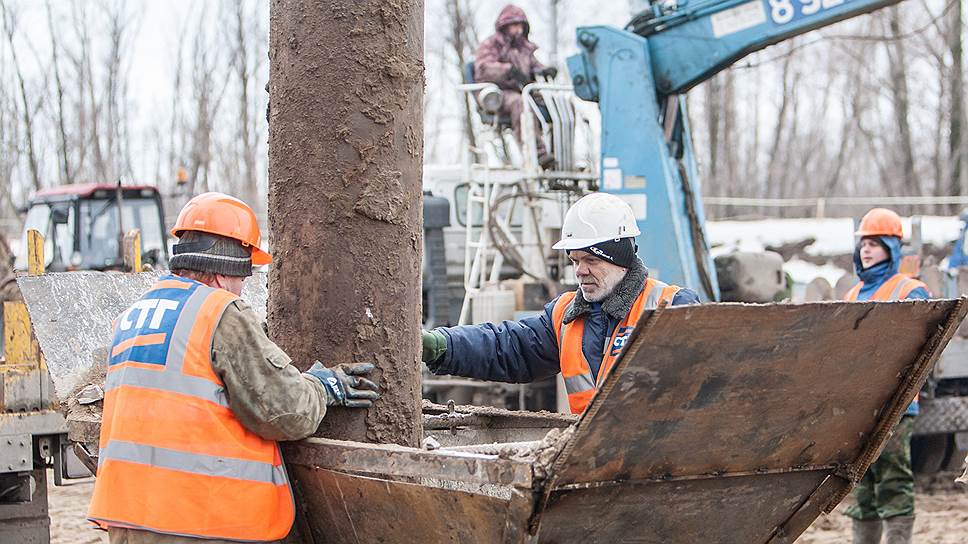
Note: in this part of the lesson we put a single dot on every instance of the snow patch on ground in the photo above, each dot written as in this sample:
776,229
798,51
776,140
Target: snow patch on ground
804,272
834,236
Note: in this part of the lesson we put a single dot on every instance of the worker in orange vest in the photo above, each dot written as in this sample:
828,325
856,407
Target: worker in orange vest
885,495
580,333
197,396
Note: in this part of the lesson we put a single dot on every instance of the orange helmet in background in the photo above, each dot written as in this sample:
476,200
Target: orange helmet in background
880,222
224,215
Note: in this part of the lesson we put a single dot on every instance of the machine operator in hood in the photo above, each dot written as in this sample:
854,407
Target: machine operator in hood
506,58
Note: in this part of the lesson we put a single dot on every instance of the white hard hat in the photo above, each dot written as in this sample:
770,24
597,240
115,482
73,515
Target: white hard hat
594,219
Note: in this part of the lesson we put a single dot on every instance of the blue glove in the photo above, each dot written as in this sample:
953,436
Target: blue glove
344,385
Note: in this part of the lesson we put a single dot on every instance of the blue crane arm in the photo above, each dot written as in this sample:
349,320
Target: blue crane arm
694,41
646,149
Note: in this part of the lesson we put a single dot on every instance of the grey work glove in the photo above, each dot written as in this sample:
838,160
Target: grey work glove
345,385
434,346
548,71
518,76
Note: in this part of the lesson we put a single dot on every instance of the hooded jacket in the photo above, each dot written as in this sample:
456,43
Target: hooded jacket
527,350
958,257
498,53
876,275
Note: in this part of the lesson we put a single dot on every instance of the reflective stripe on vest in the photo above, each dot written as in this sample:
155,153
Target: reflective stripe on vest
898,287
579,381
173,457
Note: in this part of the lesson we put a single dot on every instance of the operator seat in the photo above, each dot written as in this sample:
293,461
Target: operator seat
503,119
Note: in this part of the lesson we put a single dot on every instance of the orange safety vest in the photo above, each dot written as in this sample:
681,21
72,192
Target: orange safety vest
579,382
173,457
896,288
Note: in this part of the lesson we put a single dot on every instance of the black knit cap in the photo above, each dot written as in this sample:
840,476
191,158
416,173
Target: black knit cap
620,251
204,252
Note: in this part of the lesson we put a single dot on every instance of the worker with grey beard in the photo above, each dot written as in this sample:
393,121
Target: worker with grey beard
580,333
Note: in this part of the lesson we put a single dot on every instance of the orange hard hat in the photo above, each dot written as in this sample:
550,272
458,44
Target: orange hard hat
880,222
219,213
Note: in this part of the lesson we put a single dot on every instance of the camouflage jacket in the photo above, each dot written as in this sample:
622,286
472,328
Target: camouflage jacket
265,391
498,53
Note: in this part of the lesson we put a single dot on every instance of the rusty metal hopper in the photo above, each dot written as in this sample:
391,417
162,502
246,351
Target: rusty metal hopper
739,423
720,423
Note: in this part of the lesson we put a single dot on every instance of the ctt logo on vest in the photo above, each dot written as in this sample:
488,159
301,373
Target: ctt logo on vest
143,331
155,308
621,338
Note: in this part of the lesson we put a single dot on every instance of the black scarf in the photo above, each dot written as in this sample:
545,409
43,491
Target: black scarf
619,302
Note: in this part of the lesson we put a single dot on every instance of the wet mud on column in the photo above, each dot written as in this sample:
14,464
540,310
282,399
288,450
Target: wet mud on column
345,154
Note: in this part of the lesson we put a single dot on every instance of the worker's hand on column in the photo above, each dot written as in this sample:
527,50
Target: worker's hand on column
518,76
345,384
549,72
434,346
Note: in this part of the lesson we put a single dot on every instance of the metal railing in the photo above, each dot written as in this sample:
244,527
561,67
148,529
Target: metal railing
822,204
558,132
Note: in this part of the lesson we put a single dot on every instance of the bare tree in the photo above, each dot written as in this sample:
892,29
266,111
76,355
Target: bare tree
956,83
774,163
730,132
9,136
713,112
462,39
176,136
208,89
852,108
9,27
248,59
66,173
897,56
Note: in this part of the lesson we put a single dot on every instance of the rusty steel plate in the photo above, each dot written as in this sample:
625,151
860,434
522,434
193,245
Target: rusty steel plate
71,313
715,510
349,509
772,397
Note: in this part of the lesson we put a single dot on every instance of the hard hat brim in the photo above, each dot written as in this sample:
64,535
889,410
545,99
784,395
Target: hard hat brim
260,257
864,233
568,244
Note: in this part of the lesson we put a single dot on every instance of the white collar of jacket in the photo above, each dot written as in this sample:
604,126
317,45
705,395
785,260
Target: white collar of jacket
618,304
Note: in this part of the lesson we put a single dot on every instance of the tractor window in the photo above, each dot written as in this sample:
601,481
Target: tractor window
56,223
100,231
143,214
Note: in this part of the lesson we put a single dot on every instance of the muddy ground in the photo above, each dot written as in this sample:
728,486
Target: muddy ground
68,507
942,516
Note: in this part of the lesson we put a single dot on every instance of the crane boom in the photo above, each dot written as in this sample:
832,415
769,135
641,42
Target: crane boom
697,40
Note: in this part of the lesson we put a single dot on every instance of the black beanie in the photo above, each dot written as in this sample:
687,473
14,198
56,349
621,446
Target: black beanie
204,252
620,251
